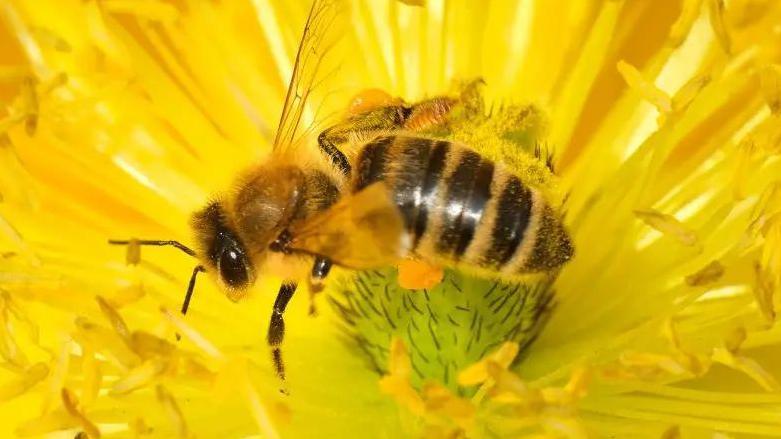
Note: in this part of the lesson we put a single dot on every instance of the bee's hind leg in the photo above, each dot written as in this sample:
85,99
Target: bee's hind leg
327,141
276,328
320,270
360,127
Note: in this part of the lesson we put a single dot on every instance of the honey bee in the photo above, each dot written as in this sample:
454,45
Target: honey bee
377,192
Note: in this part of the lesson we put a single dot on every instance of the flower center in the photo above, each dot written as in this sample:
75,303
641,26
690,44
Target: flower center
446,328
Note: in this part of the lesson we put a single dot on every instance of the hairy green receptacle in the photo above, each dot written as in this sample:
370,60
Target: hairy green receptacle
446,328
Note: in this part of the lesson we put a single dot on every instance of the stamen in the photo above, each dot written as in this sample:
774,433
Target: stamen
719,24
690,10
435,403
56,381
478,372
764,292
9,348
139,427
233,378
441,402
748,366
107,342
114,318
29,104
149,10
647,89
689,91
172,410
147,345
706,275
93,377
32,376
56,421
770,82
70,403
397,382
140,376
668,225
190,332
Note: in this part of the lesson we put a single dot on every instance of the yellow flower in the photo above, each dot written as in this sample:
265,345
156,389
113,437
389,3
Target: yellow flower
122,117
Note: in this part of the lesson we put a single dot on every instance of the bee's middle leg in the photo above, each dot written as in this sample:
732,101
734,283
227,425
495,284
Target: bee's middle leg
276,328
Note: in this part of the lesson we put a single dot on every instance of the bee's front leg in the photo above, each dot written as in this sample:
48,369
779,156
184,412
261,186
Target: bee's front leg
276,328
320,270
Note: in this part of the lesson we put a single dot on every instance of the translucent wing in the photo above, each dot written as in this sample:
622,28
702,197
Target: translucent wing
362,231
319,37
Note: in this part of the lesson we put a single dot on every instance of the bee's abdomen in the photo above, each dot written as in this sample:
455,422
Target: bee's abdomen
462,208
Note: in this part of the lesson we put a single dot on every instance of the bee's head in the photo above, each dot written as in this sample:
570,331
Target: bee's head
223,251
234,234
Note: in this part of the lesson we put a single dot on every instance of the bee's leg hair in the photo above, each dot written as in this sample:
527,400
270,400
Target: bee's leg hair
360,128
327,141
320,270
276,328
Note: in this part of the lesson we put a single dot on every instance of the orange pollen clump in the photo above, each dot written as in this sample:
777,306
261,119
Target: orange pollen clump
417,275
370,99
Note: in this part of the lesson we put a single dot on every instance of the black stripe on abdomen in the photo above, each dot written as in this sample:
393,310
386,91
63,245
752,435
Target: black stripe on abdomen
458,185
411,159
553,246
512,219
372,162
475,205
436,166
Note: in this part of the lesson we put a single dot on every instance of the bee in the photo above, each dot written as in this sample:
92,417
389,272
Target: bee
376,192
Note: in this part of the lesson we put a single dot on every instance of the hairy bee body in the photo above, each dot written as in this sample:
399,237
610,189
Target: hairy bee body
461,209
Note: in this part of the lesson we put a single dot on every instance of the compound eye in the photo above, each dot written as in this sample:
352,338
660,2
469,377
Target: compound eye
233,266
